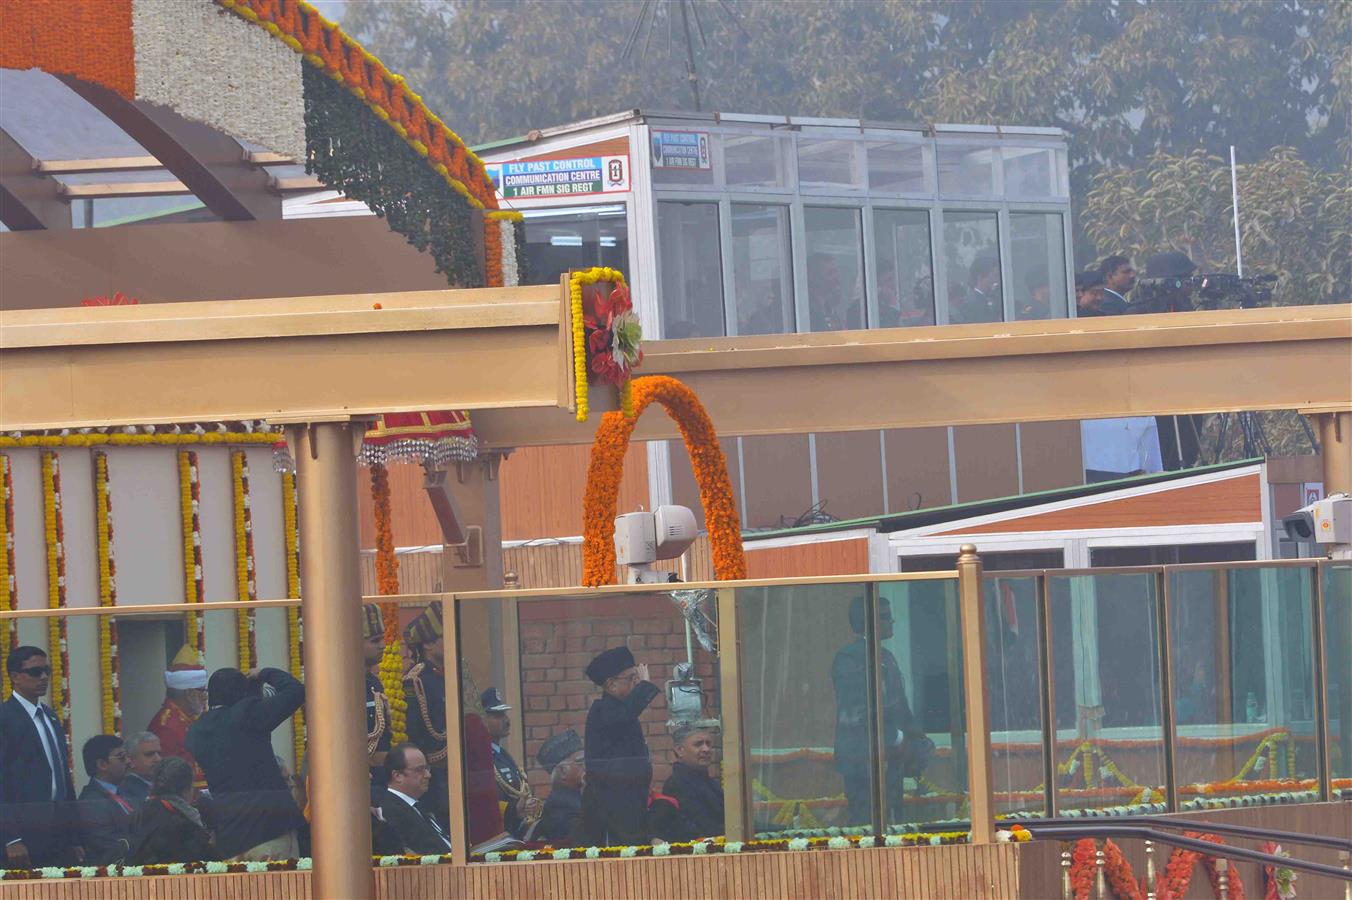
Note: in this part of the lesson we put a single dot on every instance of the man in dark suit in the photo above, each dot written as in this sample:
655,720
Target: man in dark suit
563,758
104,815
414,826
143,755
36,789
699,795
619,769
255,814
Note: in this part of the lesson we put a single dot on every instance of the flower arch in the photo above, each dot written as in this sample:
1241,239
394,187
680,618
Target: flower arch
706,458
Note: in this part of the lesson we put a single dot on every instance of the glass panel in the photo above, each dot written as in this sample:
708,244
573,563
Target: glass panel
1243,688
752,160
828,164
898,168
1105,645
1338,668
762,265
119,745
926,645
692,277
808,726
575,239
901,245
835,268
1037,255
1030,172
972,261
1012,661
576,760
967,169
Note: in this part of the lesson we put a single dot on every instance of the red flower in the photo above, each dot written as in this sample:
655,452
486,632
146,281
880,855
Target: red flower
118,299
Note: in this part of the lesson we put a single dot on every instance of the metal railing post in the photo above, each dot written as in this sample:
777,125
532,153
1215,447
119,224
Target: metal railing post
975,695
873,691
1323,760
1047,696
455,731
738,813
1167,724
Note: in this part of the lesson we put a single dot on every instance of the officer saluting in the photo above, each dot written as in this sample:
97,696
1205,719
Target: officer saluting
520,808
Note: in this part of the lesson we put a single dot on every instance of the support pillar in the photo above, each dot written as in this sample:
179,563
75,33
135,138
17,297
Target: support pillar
326,469
1335,441
975,695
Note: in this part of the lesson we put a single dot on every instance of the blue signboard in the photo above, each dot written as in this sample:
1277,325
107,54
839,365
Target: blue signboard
681,150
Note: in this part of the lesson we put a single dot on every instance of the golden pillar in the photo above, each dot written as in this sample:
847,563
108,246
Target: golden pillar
974,696
340,802
1335,441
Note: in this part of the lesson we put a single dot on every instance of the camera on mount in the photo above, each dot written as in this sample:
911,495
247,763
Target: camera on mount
1170,285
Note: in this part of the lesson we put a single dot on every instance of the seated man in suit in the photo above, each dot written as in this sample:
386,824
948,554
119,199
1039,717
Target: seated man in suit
143,755
698,794
35,784
414,826
104,817
563,758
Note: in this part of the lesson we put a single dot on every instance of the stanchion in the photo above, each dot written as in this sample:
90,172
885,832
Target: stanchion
974,695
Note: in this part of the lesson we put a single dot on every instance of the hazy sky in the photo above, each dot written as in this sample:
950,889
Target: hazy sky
331,8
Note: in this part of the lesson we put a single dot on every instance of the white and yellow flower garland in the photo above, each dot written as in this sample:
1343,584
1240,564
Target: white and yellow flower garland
295,629
54,531
246,586
189,488
108,657
8,594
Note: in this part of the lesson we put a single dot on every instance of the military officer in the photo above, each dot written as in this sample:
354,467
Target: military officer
520,808
425,689
378,725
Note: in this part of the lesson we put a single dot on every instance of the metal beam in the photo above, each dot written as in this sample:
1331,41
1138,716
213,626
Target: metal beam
28,201
499,352
210,163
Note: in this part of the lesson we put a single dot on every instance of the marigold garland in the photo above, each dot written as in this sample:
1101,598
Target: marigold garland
109,668
324,46
387,584
294,626
190,501
58,653
706,459
8,594
123,439
1173,882
246,585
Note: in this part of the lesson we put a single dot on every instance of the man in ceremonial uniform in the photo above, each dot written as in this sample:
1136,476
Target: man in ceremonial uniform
562,757
378,727
520,809
425,688
185,698
619,770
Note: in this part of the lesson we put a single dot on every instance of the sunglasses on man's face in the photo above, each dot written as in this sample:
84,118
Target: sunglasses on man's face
37,671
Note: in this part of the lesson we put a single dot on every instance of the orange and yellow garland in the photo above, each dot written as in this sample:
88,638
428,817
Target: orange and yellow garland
575,282
122,439
8,600
387,585
190,498
1173,882
108,656
706,458
324,46
58,654
246,585
294,627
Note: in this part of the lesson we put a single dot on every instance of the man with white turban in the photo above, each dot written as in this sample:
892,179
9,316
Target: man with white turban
185,697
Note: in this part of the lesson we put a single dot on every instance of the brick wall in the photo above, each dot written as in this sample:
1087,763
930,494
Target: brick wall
558,640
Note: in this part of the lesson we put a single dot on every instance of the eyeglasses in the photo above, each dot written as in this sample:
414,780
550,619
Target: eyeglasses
416,770
36,671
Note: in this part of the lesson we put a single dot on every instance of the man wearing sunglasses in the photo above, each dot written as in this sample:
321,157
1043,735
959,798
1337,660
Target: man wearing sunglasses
36,790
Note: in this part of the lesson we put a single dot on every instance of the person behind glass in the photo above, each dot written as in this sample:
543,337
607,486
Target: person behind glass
36,790
185,698
1037,302
1118,279
255,814
425,688
698,794
104,817
619,770
520,808
563,758
1089,294
410,824
982,302
143,755
378,728
169,828
901,733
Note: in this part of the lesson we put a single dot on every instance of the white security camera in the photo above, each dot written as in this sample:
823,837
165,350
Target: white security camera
1327,521
642,538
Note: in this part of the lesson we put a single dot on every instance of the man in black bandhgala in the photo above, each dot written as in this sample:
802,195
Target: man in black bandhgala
619,770
563,758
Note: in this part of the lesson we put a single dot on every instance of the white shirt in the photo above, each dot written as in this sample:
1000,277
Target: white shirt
405,797
1121,445
45,735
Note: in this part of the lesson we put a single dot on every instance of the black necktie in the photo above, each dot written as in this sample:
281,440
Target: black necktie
432,820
